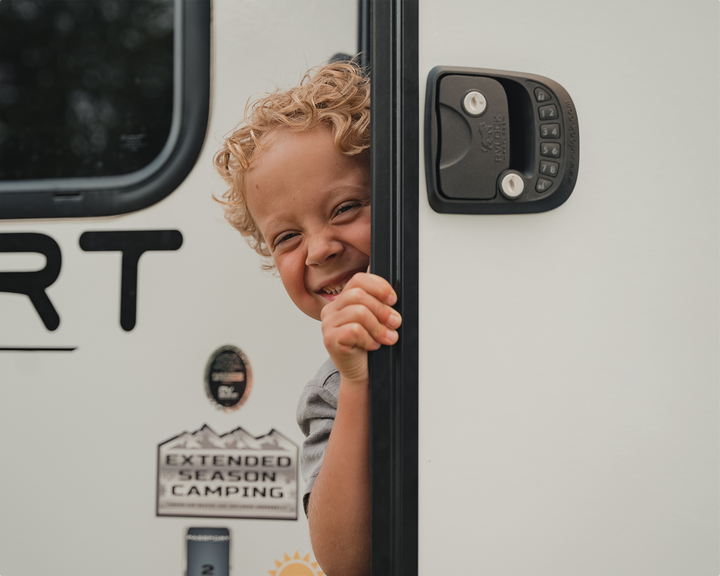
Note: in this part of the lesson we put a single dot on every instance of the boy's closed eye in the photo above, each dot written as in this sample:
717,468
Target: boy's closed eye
347,207
285,237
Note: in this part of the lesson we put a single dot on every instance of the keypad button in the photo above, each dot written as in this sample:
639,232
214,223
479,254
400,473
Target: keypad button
549,168
543,185
550,149
548,112
550,130
541,95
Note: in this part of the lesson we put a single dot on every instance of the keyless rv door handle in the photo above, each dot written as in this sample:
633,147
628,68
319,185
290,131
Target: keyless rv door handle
498,142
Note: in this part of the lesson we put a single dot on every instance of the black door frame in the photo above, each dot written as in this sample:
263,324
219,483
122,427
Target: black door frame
395,137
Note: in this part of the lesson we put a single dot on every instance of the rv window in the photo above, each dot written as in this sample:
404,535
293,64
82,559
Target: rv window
92,103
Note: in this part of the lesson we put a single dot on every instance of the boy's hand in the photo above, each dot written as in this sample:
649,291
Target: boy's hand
358,320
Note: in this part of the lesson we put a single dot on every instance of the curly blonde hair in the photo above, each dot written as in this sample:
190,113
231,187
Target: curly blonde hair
336,95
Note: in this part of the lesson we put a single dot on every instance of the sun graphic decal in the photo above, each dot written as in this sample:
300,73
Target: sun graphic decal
296,566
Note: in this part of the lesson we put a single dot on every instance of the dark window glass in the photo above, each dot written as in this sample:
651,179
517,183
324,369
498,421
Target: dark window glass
86,89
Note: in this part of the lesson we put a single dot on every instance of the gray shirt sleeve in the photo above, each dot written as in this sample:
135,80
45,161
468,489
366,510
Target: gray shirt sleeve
315,416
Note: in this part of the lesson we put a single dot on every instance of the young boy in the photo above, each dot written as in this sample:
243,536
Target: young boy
299,177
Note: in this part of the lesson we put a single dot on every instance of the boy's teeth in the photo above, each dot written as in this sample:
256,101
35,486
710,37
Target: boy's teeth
334,289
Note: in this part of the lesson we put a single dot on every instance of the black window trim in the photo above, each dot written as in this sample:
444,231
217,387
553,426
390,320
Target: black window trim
113,195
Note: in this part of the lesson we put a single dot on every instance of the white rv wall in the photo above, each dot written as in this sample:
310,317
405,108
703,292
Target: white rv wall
569,360
79,431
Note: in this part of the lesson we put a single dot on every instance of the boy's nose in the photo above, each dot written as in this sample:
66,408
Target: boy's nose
321,248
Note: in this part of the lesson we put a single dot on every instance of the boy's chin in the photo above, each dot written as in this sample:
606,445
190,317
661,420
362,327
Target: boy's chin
313,307
313,310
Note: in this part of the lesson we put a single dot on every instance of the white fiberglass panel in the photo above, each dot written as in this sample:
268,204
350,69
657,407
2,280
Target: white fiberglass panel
569,360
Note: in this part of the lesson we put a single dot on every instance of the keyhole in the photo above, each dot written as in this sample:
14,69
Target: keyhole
474,103
512,185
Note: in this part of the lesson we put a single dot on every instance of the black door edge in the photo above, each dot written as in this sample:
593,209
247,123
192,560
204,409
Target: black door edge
394,370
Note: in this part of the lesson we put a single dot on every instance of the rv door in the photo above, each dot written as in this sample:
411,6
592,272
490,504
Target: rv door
568,358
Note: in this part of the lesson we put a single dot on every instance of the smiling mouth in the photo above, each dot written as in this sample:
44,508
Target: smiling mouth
334,289
336,285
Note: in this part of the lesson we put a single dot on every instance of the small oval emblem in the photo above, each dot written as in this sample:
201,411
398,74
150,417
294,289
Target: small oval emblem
228,378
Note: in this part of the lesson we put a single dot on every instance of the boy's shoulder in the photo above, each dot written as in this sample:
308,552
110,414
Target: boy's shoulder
326,374
319,398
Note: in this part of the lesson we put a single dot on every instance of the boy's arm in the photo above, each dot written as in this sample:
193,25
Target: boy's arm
339,506
358,320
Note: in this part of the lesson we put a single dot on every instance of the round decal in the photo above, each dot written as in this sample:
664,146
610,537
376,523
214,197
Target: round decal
228,378
296,566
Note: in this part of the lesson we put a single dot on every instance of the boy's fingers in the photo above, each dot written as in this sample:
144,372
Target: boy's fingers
358,296
362,315
349,336
374,285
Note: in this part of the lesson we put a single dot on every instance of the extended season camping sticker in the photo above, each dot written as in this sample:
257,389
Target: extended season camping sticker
235,475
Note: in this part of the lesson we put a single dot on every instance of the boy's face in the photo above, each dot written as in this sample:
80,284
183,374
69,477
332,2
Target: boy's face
312,205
